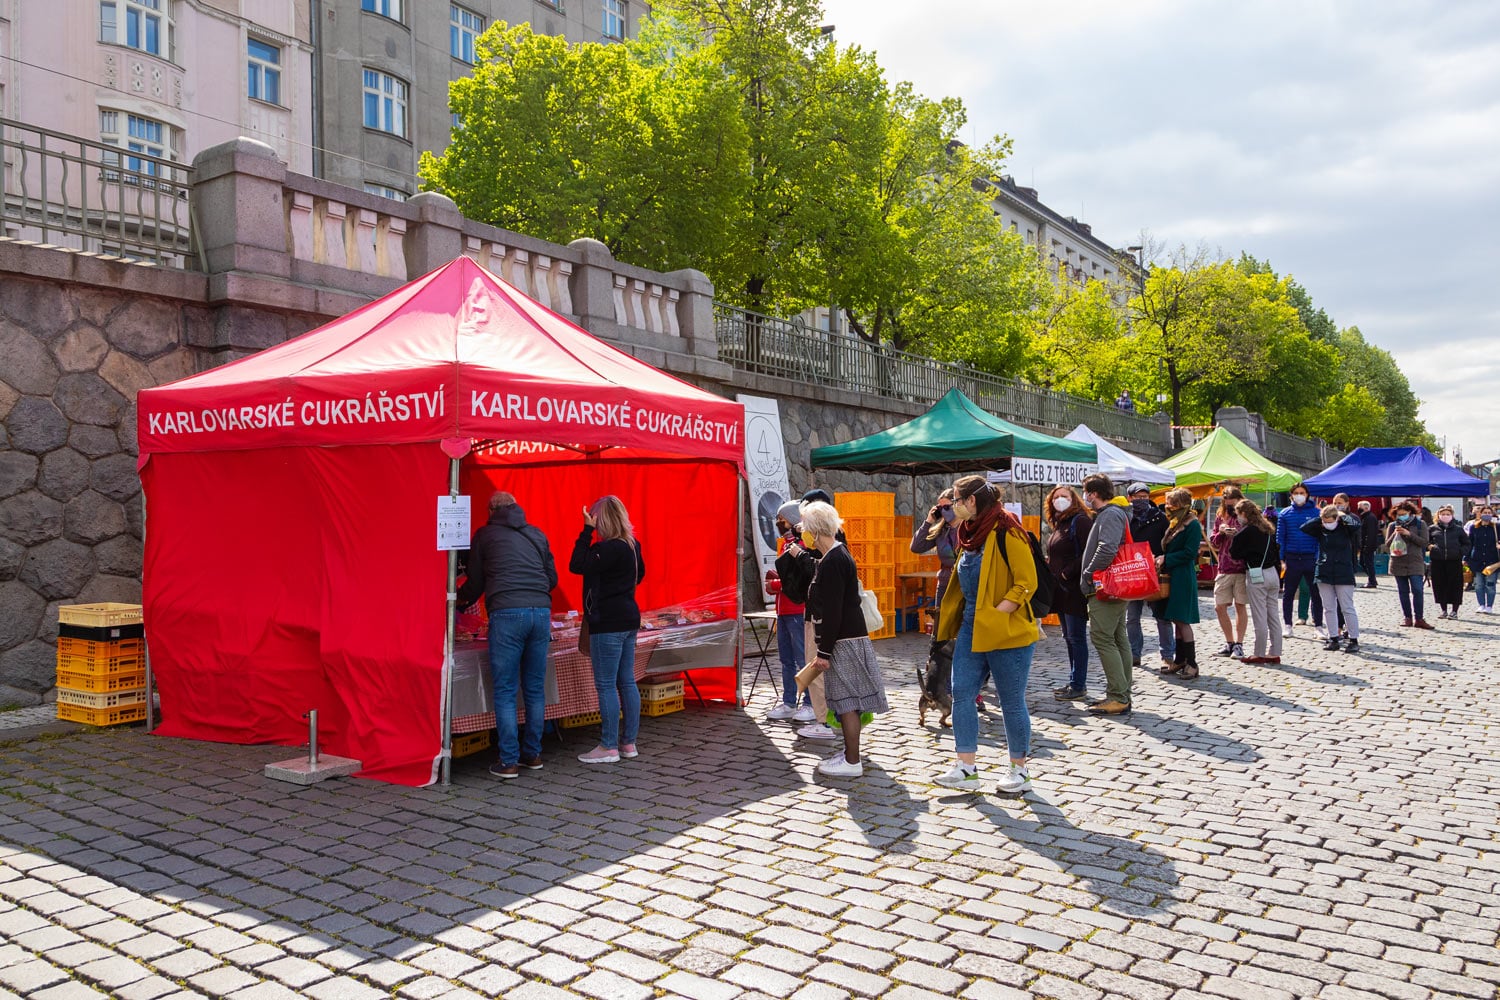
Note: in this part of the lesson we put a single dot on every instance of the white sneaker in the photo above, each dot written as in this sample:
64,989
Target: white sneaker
1017,782
962,777
804,713
837,767
1286,631
1321,632
1239,651
781,712
818,731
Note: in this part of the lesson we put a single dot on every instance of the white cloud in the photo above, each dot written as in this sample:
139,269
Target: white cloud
1355,145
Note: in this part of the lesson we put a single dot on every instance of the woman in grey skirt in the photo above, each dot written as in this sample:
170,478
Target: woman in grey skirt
853,684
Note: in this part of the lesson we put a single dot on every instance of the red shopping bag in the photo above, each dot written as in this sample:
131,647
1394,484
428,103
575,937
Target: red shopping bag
1132,575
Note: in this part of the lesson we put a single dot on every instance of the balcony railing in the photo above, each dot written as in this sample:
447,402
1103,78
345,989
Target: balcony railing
787,348
87,195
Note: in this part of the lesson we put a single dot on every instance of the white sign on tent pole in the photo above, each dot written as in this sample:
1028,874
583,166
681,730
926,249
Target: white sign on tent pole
765,467
453,523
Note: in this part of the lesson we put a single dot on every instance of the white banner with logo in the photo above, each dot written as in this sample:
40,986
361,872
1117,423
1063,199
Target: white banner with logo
765,467
1049,472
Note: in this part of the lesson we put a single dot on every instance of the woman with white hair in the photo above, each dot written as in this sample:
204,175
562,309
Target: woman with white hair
845,655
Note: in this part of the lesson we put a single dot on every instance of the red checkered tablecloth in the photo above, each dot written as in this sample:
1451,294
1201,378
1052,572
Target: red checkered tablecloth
575,685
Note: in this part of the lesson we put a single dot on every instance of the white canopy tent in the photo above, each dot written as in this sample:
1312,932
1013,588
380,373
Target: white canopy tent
1120,465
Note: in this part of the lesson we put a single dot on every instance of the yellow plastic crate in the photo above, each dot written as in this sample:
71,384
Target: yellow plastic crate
94,649
122,680
104,613
887,631
102,716
465,744
878,577
581,719
661,690
664,707
865,504
101,699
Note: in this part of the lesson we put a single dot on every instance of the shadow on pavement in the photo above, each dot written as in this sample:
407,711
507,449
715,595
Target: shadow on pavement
1190,736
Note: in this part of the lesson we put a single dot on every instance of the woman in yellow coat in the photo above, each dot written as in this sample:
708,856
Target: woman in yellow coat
988,614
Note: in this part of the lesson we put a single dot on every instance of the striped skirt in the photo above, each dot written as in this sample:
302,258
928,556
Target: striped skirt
853,682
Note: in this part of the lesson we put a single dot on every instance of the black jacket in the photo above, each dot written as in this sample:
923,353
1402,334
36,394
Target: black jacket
510,564
1150,526
1337,548
1254,547
835,596
1065,559
1448,541
1370,532
610,570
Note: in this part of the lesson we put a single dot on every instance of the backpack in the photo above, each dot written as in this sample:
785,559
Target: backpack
1046,583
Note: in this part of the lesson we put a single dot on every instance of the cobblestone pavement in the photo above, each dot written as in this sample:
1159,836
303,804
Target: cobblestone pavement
1323,829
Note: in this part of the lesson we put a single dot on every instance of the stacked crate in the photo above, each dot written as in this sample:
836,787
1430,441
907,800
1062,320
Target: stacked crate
662,696
914,594
101,664
870,527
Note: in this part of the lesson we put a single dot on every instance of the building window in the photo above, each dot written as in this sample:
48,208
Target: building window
463,27
614,19
145,136
385,102
140,24
264,72
385,8
385,191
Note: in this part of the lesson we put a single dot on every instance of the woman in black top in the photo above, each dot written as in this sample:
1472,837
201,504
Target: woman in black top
1070,522
853,684
1447,544
1338,536
611,568
1254,544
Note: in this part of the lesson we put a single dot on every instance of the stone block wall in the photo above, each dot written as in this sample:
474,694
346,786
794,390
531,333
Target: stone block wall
76,345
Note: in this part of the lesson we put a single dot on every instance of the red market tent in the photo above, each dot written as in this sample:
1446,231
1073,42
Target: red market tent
291,558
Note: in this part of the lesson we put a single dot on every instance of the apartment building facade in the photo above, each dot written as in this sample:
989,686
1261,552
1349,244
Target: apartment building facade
383,68
1069,246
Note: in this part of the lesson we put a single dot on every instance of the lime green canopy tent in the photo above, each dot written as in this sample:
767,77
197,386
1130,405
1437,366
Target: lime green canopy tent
1221,457
954,436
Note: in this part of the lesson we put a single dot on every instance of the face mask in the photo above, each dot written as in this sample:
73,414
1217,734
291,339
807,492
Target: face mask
1299,499
1141,503
947,514
1342,506
1446,518
809,540
1403,518
1486,518
1062,504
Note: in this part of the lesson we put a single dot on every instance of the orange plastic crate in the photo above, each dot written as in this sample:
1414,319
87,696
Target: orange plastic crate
74,663
877,577
873,553
870,529
865,504
122,680
102,716
100,650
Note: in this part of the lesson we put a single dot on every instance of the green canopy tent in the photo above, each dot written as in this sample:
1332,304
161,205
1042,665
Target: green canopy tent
954,436
1222,457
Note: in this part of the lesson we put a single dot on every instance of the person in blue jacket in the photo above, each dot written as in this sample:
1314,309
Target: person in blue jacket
1299,558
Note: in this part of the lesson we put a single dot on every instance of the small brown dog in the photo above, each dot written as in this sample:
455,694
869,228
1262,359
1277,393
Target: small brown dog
936,683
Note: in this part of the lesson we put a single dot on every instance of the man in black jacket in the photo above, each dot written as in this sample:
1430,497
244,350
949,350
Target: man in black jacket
1369,540
1147,524
511,564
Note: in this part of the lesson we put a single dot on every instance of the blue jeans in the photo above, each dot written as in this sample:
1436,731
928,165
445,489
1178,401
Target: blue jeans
1010,669
1409,589
1299,565
518,654
1076,635
1166,636
1484,588
613,655
789,645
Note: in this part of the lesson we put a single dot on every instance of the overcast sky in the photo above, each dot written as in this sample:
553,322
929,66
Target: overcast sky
1356,145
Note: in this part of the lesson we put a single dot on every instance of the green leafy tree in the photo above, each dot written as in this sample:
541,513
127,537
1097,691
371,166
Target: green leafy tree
1079,342
1350,418
1370,367
617,142
1318,323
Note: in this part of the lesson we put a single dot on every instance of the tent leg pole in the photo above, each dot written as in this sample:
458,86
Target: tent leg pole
446,773
150,677
743,493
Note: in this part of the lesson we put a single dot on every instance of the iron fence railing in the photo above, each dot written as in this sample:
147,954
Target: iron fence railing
96,196
767,345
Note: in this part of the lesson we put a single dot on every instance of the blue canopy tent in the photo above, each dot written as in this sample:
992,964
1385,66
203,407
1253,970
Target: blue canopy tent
1390,472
